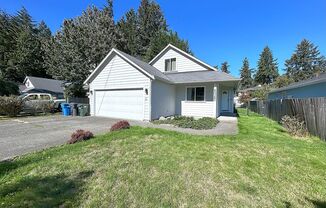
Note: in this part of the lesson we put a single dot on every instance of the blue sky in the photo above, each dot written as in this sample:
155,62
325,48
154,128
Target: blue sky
216,30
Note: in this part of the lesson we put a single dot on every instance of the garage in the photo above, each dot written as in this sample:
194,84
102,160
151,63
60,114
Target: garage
120,103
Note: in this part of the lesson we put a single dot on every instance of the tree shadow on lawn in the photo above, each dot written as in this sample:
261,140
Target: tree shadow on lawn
317,203
49,191
7,166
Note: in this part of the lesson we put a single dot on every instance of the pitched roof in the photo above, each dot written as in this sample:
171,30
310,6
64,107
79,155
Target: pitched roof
145,66
142,66
46,84
171,77
170,46
200,76
314,80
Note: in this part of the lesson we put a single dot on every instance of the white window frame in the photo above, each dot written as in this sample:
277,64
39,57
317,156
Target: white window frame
170,64
186,98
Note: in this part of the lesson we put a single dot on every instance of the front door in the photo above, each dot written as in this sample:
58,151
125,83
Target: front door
225,100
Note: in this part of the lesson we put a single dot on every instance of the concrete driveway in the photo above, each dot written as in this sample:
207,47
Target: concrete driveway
22,135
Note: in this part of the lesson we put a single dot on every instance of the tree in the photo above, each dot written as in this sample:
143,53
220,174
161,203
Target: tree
26,58
282,81
262,93
305,61
151,21
267,67
81,44
225,67
127,33
245,75
161,40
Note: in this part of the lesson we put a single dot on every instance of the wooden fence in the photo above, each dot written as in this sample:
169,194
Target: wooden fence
311,110
78,100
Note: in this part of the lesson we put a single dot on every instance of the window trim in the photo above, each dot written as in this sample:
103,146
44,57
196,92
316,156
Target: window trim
186,97
170,59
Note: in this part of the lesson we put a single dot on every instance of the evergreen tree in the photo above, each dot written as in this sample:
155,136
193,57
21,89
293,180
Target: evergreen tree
81,44
225,67
127,33
245,75
305,61
151,21
267,68
161,40
23,56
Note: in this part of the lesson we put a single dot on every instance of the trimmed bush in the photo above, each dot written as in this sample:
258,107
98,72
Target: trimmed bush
10,106
294,126
120,125
80,135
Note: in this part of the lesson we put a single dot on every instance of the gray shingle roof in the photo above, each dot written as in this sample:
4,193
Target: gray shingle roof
47,84
320,78
182,77
145,66
200,76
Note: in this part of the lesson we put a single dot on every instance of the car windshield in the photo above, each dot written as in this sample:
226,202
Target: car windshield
22,95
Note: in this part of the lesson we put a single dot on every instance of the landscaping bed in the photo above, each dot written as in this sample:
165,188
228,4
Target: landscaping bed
189,122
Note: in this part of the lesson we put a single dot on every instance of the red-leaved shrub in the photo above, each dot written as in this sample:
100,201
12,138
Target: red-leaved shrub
120,125
80,135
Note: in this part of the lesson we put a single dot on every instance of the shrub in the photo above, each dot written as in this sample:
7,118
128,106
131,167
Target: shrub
120,125
294,126
80,135
10,106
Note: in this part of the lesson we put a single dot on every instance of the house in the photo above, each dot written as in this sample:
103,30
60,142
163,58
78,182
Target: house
314,87
42,85
173,83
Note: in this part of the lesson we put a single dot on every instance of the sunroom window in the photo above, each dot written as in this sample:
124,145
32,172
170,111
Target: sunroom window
195,93
170,64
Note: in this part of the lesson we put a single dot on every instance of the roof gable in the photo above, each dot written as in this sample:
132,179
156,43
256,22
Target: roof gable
143,67
183,53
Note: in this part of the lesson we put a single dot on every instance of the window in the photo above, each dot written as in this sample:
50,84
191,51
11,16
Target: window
195,93
45,97
32,97
170,64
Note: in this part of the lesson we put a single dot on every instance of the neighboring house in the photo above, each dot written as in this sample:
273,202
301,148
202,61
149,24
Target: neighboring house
314,87
173,83
42,85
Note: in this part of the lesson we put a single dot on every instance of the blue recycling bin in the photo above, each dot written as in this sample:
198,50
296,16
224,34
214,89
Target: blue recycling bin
65,109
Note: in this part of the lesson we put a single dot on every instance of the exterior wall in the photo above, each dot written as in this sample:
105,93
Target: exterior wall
119,74
29,84
162,99
205,108
316,90
183,63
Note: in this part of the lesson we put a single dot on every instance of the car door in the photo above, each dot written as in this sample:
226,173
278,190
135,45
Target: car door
30,101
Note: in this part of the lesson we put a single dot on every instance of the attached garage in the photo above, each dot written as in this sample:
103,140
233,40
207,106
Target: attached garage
120,103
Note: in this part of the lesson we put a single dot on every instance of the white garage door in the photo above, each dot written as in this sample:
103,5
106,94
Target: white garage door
127,104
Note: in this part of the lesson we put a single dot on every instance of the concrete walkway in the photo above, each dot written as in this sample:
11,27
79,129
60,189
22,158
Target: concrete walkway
228,125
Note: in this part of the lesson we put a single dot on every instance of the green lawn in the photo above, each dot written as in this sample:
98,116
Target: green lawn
142,167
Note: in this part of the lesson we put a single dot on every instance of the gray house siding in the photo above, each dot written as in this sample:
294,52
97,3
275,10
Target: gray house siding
314,90
162,99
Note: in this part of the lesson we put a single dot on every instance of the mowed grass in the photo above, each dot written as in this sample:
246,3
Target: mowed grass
142,167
